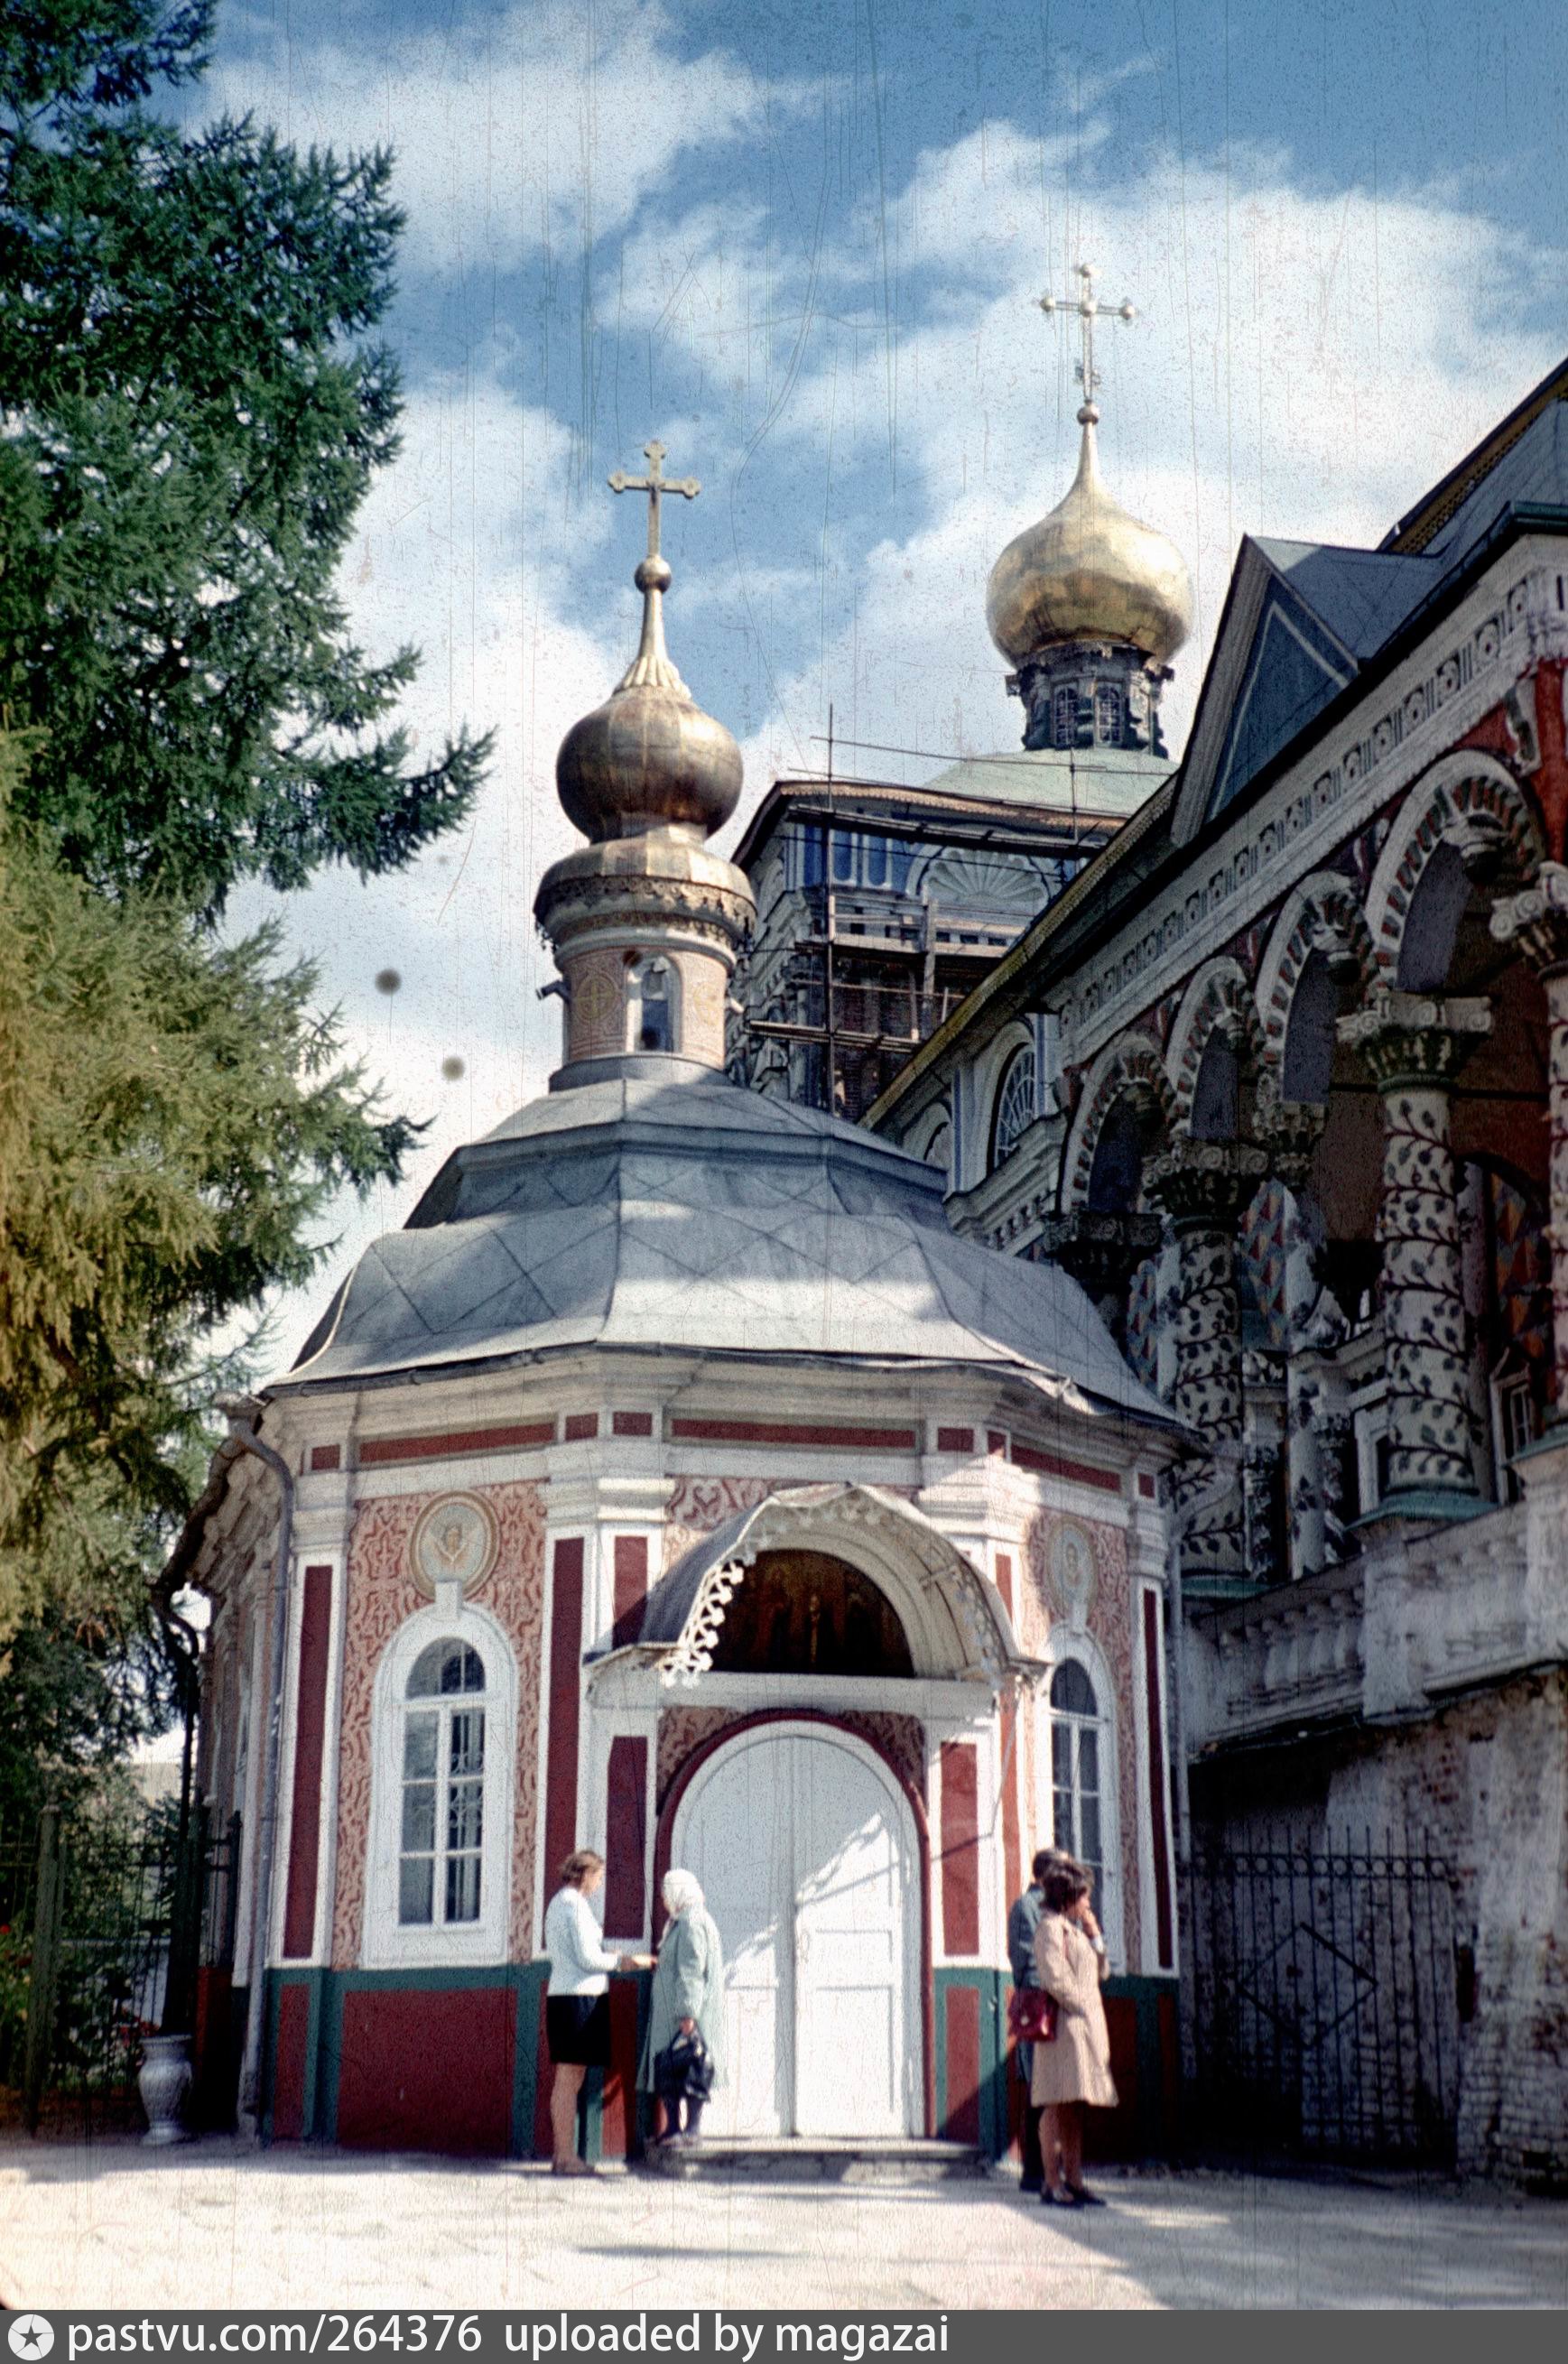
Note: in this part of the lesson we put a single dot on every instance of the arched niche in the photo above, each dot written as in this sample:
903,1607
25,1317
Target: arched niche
810,1612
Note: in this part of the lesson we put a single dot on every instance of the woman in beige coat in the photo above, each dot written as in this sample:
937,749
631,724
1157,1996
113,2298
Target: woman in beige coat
1073,2071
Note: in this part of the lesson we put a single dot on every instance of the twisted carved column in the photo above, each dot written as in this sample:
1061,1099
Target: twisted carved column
1536,920
1291,1131
1415,1047
1200,1185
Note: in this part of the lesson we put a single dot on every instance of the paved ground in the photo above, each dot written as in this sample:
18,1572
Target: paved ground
213,2224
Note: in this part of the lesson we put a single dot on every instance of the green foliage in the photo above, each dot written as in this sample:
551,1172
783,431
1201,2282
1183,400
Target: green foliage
174,1117
195,405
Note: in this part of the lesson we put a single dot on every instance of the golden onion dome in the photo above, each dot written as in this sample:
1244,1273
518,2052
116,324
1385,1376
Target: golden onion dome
1089,572
649,757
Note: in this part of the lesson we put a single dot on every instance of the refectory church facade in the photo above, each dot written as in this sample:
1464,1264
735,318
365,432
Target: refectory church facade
677,1483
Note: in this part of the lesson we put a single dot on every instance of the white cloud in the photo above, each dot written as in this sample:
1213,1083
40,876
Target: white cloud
1305,364
545,126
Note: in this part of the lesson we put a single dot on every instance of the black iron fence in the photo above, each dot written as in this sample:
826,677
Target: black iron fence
105,1925
1326,2002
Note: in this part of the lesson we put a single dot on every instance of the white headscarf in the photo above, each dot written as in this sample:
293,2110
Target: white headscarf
682,1893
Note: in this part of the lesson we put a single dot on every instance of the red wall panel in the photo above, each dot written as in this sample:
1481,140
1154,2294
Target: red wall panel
427,2071
630,1588
960,1847
1164,1935
563,1708
961,2122
626,1826
288,2063
309,1731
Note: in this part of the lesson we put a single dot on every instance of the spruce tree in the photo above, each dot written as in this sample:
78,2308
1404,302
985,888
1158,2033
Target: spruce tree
196,402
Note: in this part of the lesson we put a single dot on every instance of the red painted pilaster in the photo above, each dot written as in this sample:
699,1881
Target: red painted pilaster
626,1840
1157,1832
630,1588
960,1847
564,1707
1551,779
310,1740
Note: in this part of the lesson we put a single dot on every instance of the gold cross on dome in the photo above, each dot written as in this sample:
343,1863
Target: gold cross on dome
655,484
1089,309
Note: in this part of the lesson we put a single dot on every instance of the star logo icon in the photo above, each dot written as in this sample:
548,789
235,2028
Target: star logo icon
31,2336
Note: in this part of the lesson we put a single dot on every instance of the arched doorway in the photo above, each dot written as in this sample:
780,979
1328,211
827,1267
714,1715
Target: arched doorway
807,1851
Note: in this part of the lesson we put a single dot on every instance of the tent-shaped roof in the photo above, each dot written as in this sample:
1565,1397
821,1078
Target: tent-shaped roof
666,1210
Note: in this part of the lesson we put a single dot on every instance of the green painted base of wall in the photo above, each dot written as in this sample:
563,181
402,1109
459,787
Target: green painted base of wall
1145,2060
343,2044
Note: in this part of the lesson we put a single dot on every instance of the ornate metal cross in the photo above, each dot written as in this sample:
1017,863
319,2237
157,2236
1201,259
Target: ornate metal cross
655,484
1088,310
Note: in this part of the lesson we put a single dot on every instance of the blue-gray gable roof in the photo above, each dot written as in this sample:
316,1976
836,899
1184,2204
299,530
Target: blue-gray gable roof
1362,596
1533,473
674,1215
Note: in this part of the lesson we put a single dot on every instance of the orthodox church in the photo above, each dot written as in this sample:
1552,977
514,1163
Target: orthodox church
677,1483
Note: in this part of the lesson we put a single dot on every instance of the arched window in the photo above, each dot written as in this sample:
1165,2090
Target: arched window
650,1005
1078,1773
1108,716
1064,718
438,1884
1014,1110
441,1855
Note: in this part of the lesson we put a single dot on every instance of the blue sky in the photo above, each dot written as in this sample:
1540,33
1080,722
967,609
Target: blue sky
799,243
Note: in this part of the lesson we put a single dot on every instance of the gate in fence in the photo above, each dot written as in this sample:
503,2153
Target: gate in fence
106,1929
1325,2002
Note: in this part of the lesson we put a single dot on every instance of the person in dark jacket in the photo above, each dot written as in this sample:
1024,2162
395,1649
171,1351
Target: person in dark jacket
1023,1921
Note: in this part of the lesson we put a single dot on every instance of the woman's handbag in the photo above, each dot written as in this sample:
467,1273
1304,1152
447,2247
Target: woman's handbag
683,2071
1031,2015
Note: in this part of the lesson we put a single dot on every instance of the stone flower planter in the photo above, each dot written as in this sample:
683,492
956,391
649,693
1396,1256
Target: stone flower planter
164,2083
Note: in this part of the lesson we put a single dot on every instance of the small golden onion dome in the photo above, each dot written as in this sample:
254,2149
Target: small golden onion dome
649,757
1089,572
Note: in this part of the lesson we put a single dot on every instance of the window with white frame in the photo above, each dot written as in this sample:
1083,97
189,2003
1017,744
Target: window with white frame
1014,1110
1079,1772
1064,731
439,1877
440,1856
1107,715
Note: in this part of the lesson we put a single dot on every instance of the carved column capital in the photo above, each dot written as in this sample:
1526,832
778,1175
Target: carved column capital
1098,1250
1411,1040
1288,1133
1536,918
1203,1185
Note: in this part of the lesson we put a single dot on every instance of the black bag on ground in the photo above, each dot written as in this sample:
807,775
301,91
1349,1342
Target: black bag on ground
683,2071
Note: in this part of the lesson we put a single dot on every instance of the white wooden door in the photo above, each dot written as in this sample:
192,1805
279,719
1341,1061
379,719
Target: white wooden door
734,1832
806,1854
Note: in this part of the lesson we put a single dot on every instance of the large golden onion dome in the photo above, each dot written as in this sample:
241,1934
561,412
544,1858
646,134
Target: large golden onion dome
649,757
1089,572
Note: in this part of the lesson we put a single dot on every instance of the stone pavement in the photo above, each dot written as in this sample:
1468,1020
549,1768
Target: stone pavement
217,2225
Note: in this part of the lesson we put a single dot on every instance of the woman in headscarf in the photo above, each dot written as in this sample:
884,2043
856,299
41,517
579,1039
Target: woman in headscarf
687,2001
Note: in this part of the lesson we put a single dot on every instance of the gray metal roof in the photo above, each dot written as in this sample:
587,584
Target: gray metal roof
1362,596
1092,779
666,1210
1532,472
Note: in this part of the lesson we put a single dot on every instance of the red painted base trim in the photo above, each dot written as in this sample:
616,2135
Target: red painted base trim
288,2067
397,2089
963,2034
